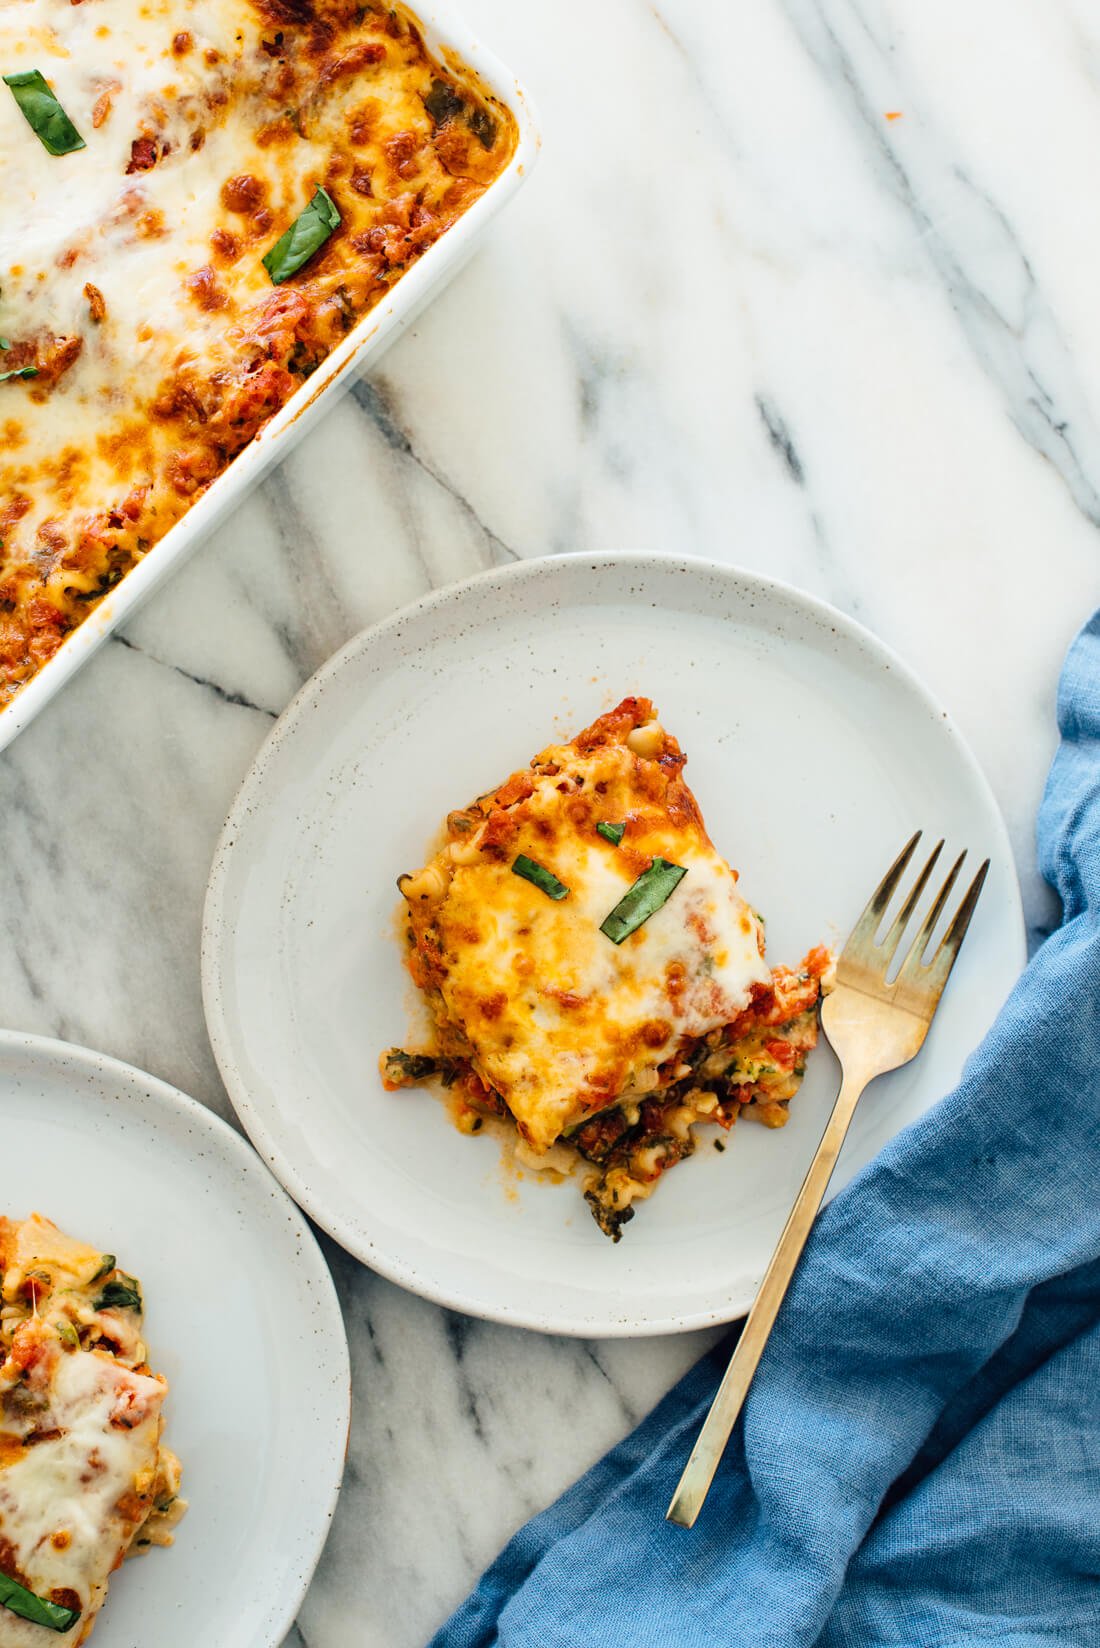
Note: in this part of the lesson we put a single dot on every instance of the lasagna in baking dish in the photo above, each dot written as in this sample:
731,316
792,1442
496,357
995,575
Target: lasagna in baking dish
84,1478
197,203
593,972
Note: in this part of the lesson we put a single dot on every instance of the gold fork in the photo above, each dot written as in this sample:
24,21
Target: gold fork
873,1026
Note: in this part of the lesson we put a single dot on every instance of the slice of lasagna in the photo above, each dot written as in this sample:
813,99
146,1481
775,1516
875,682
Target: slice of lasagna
84,1480
594,973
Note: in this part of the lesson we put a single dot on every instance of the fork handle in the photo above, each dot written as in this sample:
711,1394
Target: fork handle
699,1471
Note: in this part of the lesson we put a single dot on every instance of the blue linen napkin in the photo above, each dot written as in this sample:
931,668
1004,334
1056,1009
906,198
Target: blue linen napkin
918,1462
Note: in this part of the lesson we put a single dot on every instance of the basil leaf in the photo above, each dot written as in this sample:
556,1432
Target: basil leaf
18,1600
653,888
611,832
539,876
483,126
43,113
19,372
125,1294
4,344
442,102
306,235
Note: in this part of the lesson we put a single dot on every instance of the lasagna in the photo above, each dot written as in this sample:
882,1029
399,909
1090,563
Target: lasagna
593,973
197,203
84,1478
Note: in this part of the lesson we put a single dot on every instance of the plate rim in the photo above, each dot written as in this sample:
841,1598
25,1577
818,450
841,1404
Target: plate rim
54,1051
285,727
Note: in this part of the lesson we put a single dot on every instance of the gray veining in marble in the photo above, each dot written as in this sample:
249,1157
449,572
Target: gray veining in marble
740,312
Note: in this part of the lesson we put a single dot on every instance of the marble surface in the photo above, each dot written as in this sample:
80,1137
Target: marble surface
740,311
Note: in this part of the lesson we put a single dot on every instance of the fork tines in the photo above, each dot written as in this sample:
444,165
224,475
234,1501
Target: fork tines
862,948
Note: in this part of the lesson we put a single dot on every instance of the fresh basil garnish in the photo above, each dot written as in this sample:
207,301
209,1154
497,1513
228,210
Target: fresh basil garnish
4,344
19,372
611,832
125,1294
43,113
38,1610
306,235
653,888
442,102
539,876
483,126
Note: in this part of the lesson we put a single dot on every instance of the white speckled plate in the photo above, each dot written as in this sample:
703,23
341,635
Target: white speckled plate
813,752
241,1315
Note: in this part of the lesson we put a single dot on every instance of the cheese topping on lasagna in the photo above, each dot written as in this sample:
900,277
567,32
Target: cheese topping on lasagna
132,282
84,1479
561,1020
593,971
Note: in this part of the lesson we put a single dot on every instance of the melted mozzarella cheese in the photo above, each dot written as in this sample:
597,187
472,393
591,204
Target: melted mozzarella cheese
37,1244
68,1505
132,282
136,237
562,1021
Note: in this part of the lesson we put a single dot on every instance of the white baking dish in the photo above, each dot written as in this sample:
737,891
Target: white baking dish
445,34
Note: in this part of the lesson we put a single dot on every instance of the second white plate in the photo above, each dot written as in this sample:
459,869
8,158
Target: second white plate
813,752
241,1315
